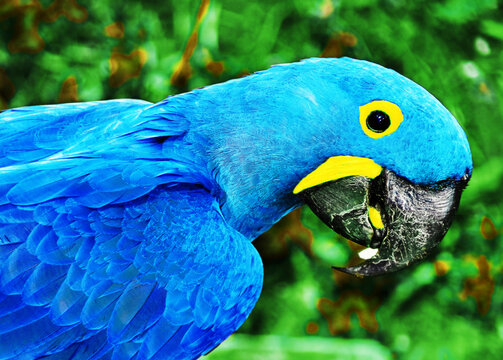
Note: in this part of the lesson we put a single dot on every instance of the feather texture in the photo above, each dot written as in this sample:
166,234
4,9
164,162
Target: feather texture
87,232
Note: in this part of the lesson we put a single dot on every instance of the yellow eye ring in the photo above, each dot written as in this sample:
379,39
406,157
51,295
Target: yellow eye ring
386,116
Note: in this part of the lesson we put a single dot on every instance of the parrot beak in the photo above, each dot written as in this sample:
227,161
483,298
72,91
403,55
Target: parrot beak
404,221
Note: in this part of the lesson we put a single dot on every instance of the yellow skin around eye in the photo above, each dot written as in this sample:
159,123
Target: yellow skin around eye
393,111
338,167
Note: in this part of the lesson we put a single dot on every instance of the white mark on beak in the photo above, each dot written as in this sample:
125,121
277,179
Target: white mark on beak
367,253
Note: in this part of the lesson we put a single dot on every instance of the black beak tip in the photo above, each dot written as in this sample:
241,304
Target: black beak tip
349,271
372,267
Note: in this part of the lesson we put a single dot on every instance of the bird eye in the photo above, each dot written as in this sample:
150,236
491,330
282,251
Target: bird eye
380,118
378,121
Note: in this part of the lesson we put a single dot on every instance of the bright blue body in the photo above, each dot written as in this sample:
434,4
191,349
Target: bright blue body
126,227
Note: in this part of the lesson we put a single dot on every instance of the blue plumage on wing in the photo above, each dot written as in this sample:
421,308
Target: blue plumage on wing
99,293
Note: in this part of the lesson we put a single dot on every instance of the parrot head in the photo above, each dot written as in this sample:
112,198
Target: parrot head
373,154
398,184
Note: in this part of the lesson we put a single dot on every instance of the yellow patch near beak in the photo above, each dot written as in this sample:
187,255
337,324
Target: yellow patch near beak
375,218
338,167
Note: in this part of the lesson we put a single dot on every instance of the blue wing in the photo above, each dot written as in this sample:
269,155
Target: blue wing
106,251
32,133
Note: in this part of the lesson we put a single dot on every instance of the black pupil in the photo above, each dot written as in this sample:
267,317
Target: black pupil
378,121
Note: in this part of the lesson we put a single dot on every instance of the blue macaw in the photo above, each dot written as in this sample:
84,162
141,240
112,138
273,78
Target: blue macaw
126,227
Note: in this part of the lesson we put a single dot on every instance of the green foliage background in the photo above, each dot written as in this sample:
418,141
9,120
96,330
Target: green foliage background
450,306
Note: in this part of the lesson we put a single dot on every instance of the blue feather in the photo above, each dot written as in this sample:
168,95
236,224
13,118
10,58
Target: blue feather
14,233
106,180
97,200
112,212
16,270
138,308
66,306
126,275
25,155
6,250
163,341
13,214
62,339
126,351
83,254
36,235
75,276
38,188
94,348
76,210
10,303
49,251
43,284
194,338
100,304
207,305
89,281
133,194
21,318
44,214
23,340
